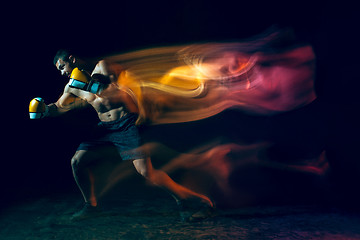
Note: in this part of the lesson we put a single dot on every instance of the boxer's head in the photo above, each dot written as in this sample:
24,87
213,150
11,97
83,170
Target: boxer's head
65,62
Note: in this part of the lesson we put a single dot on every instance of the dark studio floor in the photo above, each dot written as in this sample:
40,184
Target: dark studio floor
149,214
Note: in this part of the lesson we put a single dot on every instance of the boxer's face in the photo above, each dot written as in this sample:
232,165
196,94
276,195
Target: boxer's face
65,67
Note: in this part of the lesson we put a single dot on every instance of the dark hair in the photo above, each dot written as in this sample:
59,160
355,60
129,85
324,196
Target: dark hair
63,55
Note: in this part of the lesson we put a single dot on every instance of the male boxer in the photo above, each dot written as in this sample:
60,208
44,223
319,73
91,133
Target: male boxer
117,112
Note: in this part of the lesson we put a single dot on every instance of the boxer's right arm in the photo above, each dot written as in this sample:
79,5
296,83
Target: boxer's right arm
66,102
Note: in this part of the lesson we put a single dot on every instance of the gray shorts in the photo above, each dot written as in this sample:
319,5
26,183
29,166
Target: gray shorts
123,134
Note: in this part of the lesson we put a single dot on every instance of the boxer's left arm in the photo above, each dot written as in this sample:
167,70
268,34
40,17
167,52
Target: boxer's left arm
110,70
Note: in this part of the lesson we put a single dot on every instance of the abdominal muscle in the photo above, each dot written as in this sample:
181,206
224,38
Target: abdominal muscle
111,105
112,115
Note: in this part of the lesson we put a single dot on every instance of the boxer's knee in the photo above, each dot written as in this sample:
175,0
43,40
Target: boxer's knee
80,159
142,168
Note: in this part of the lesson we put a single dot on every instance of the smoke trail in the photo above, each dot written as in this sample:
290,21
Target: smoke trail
187,83
269,74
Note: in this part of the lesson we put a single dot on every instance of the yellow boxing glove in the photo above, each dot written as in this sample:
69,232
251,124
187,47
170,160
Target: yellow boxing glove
81,80
38,108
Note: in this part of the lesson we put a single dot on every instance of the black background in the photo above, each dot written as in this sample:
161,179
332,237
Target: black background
36,154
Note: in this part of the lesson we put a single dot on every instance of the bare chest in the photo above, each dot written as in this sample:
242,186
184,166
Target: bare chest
109,99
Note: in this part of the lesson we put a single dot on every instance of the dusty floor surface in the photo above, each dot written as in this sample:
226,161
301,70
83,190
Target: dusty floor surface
155,217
